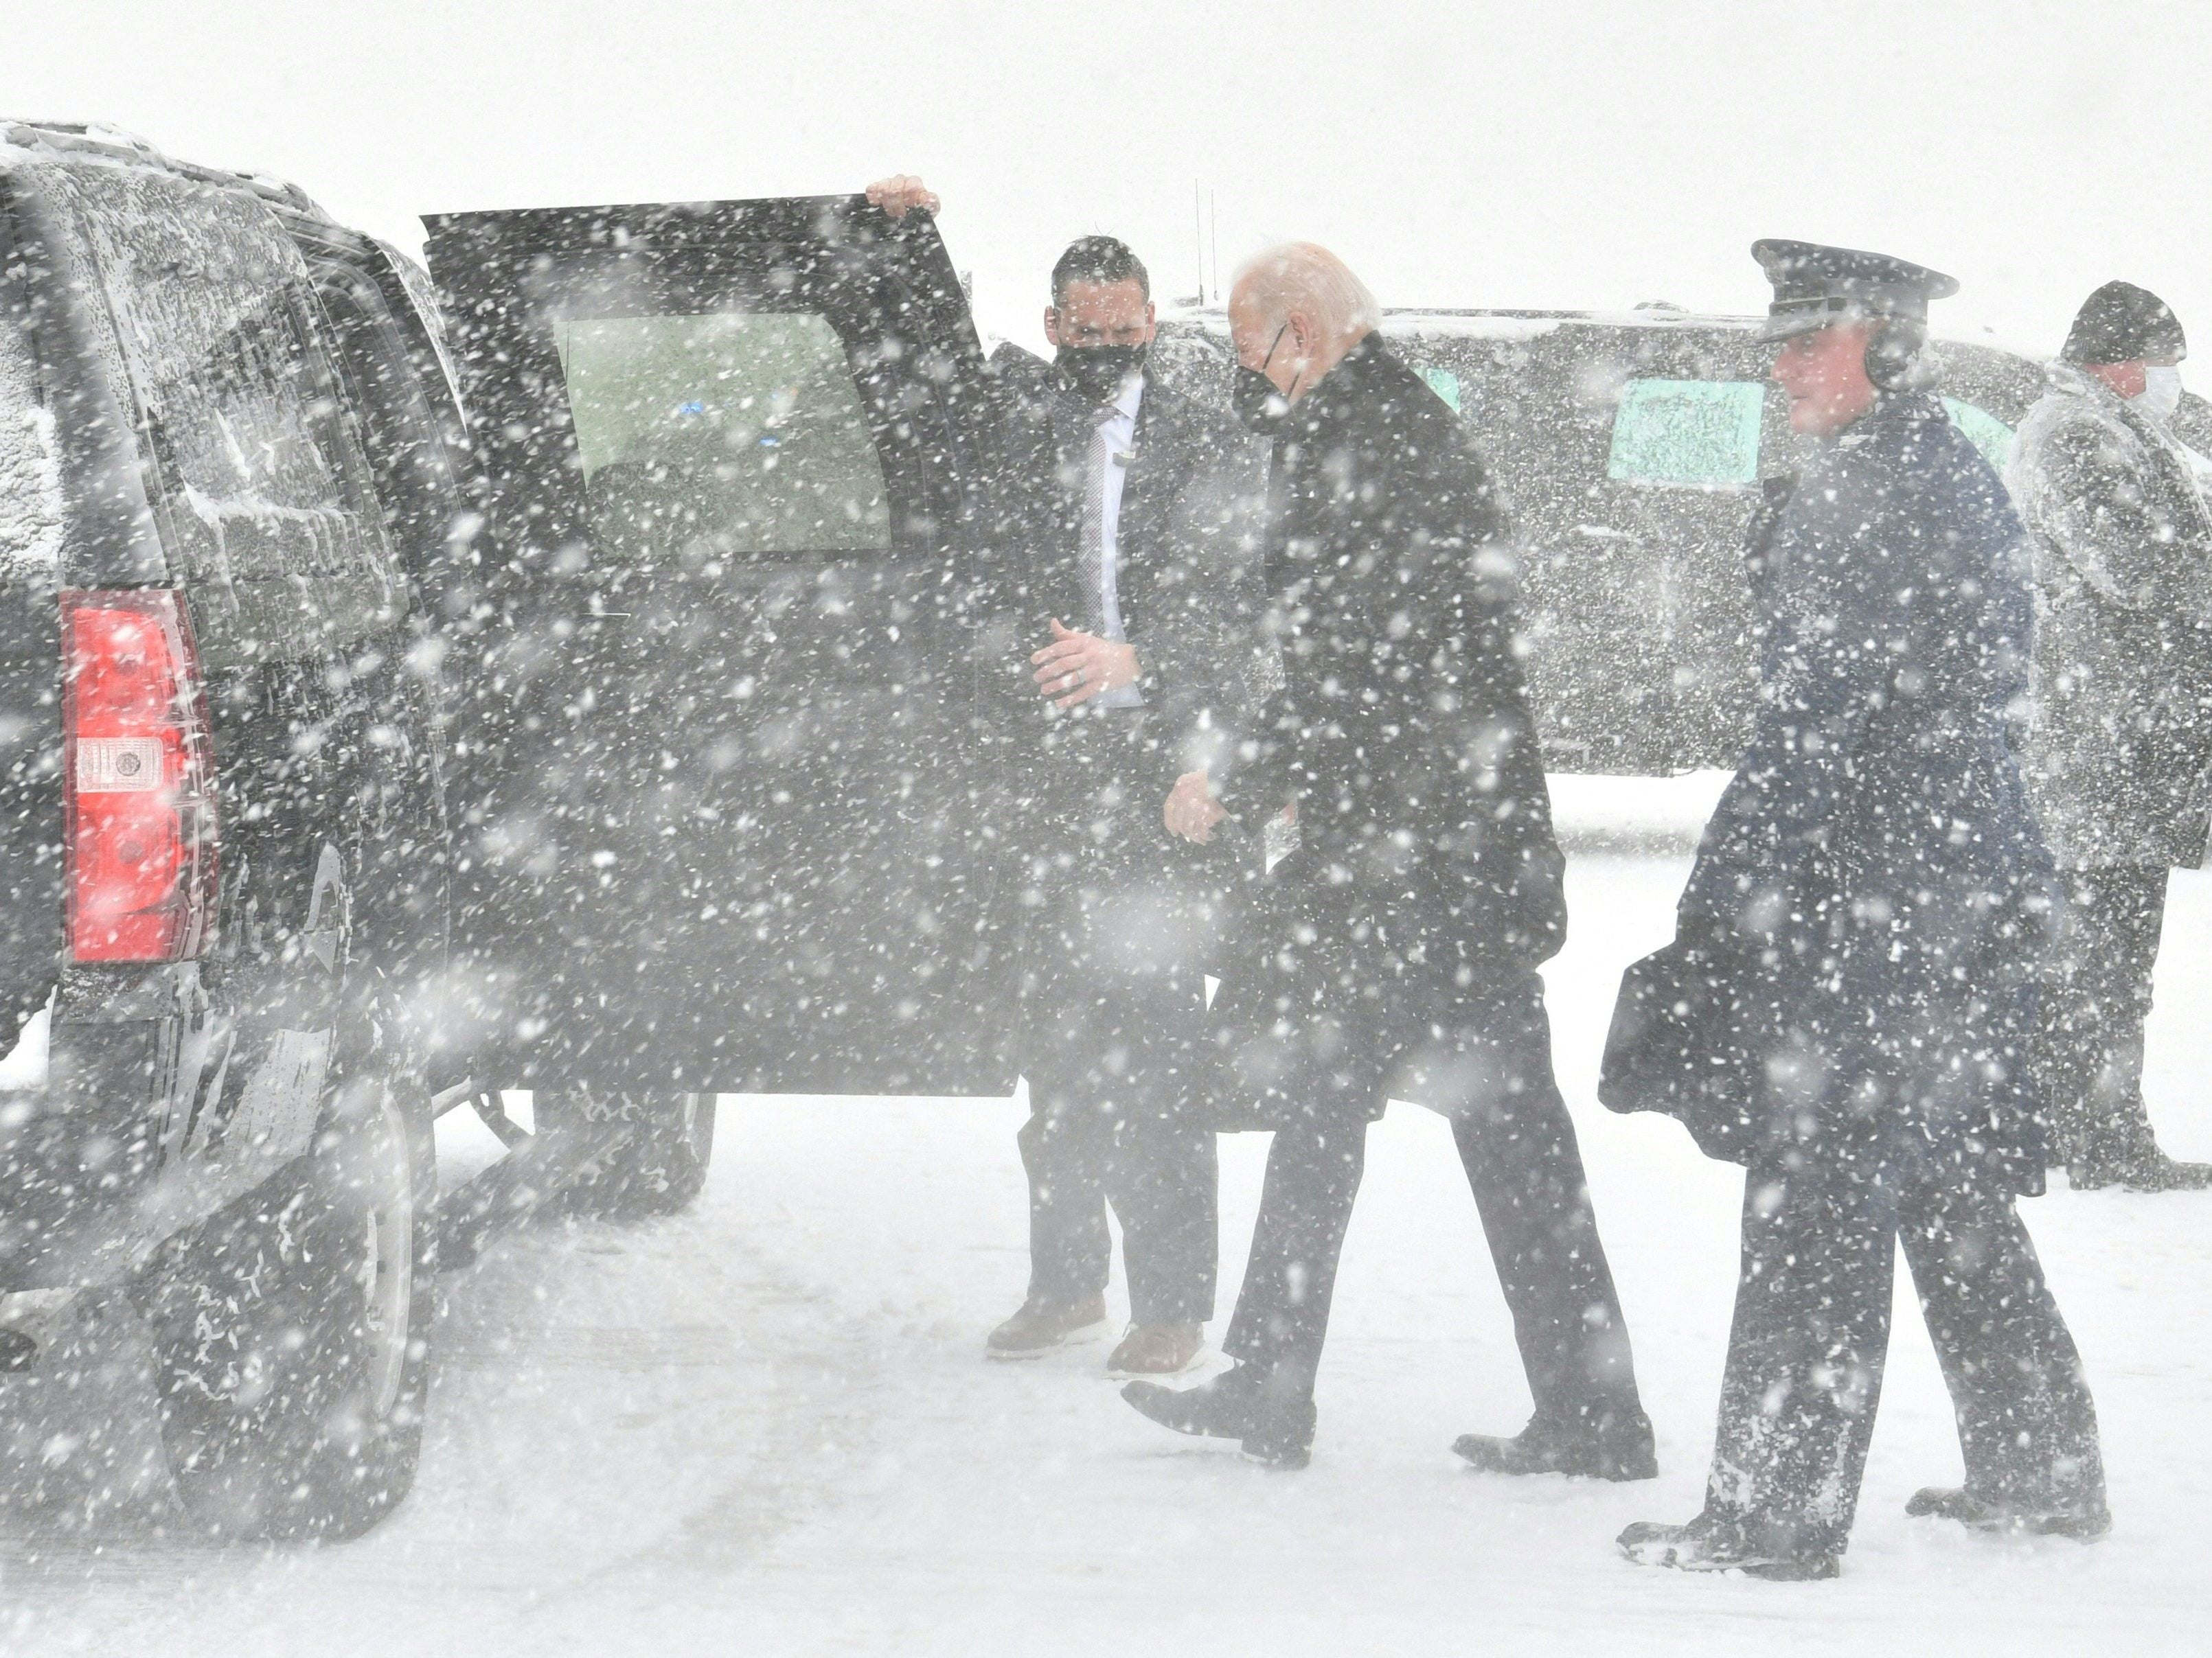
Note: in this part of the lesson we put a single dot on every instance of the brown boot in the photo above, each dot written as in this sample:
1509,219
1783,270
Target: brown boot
1149,1350
1041,1326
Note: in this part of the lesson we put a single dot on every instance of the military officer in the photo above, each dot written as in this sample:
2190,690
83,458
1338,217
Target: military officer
1847,1005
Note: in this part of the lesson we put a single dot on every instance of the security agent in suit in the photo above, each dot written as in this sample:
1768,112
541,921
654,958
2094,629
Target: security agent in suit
1133,581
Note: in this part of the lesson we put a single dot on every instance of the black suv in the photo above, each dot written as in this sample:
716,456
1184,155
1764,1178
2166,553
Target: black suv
1631,446
627,741
221,829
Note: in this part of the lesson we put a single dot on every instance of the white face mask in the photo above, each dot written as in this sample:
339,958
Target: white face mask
2161,393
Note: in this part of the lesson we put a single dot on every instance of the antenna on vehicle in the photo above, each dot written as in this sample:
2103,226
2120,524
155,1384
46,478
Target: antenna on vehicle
1213,227
1198,224
1208,252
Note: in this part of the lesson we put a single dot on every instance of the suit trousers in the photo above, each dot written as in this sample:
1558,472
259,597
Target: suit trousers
1122,922
1811,1333
2088,1048
1524,1164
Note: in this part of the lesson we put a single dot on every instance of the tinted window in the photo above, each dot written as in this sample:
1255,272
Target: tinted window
1445,383
413,476
1985,430
742,430
1690,432
30,507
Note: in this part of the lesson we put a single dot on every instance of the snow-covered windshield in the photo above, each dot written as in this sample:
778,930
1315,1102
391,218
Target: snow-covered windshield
267,484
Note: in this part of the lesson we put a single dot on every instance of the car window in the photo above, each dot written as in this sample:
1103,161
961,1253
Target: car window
1984,430
741,430
1703,433
1445,383
31,509
414,478
270,503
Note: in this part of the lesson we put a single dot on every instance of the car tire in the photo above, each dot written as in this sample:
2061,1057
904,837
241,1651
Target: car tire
658,1170
291,1333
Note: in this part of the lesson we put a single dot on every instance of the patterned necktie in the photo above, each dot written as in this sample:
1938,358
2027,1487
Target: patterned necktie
1091,552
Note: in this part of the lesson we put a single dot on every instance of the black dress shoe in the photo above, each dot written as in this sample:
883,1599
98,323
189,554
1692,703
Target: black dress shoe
1224,1408
1234,1405
1283,1436
2144,1168
2087,1521
1709,1543
1615,1447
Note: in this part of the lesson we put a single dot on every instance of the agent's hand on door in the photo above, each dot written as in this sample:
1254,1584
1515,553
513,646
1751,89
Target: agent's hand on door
1075,667
899,194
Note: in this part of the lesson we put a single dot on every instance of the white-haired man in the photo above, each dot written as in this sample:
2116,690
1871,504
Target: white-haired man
1395,952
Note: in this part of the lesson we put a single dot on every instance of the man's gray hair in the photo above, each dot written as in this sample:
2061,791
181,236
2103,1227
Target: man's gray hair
1306,276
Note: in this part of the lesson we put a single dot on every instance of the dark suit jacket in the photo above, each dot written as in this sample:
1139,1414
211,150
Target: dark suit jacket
1188,573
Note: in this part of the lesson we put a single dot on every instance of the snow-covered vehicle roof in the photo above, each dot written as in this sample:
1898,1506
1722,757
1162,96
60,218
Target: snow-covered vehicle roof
99,141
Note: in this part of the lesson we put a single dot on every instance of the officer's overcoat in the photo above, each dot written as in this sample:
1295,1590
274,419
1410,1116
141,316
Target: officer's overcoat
1872,899
1426,887
2121,727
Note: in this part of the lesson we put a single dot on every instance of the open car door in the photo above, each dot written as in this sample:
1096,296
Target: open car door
716,774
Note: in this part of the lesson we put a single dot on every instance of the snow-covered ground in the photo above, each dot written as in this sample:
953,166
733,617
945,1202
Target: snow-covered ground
766,1427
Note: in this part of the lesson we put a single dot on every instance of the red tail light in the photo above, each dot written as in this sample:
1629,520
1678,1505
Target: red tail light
138,778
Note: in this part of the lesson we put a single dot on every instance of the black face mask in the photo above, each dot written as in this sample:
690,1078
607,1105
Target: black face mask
1098,371
1263,411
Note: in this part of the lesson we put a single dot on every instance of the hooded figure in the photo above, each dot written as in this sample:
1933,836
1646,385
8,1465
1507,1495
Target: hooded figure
1846,1005
2120,733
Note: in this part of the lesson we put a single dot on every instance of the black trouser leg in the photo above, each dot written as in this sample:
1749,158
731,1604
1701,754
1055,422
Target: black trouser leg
2097,994
1525,1168
1160,1067
1164,1183
1806,1349
1282,1311
1107,1122
1120,1062
1066,1146
2027,1424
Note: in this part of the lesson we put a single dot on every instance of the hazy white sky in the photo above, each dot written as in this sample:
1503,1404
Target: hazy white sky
1526,154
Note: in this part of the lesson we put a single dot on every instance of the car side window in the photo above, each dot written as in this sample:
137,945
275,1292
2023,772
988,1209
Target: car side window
723,433
31,509
1702,433
414,478
1445,385
1984,430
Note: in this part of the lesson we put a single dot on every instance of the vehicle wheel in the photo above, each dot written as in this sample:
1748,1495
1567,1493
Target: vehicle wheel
291,1332
658,1170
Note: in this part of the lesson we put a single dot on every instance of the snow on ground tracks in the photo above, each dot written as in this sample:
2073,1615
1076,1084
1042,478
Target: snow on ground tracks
766,1427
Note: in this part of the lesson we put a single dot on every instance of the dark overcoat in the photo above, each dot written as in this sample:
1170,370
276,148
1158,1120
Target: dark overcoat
1402,933
1872,900
2120,728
